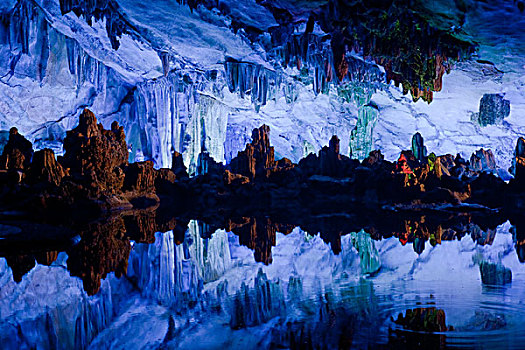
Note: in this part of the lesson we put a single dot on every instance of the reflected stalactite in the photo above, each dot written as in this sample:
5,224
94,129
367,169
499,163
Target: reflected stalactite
421,319
418,232
257,305
258,234
104,248
46,258
332,323
418,328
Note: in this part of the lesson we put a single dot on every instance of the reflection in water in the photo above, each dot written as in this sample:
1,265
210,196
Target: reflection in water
421,324
105,245
258,234
518,231
104,248
335,289
424,320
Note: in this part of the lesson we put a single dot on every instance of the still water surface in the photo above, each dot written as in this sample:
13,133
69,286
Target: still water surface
267,289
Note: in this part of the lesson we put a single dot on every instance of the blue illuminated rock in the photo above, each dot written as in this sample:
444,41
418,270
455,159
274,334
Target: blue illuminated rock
494,274
493,108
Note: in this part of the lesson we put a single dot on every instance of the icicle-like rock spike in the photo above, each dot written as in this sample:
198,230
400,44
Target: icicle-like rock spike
252,79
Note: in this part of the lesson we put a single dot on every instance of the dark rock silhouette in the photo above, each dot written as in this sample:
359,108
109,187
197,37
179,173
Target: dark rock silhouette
374,159
235,179
207,165
177,165
164,180
140,179
329,162
45,169
518,163
17,152
94,176
257,156
424,320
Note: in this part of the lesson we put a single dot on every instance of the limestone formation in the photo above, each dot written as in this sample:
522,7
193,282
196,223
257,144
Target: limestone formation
17,152
329,162
235,179
483,160
375,158
207,165
140,178
177,165
164,180
257,156
518,163
44,168
493,108
494,273
95,157
94,176
418,148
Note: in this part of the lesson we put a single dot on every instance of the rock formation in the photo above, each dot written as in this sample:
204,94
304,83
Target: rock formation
494,274
515,191
493,108
418,148
483,160
257,156
140,178
94,176
374,160
17,152
207,165
424,320
177,165
96,157
329,162
518,163
45,169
